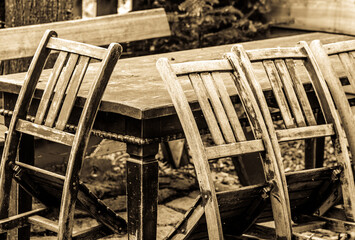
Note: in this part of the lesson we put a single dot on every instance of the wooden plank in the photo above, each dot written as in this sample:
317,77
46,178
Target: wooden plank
72,91
274,53
299,133
48,91
278,195
21,42
60,90
300,92
234,149
290,92
77,48
339,47
218,108
45,132
202,97
228,106
276,84
309,175
201,66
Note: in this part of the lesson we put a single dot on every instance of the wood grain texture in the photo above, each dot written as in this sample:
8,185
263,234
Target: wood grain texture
277,88
136,89
327,68
21,42
194,140
279,194
69,83
72,91
326,101
328,109
48,91
12,140
290,92
317,15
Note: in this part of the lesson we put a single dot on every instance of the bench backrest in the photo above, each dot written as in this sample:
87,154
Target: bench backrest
20,42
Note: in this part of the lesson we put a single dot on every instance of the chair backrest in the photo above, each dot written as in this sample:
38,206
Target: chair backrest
336,61
211,83
287,69
60,93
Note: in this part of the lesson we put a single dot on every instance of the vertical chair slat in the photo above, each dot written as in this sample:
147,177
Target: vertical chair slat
289,91
349,67
48,91
218,107
276,85
60,90
228,105
300,92
72,92
202,97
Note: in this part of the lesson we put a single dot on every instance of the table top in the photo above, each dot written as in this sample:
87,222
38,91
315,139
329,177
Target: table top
136,89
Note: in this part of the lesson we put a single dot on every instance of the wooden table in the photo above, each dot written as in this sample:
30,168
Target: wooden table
137,107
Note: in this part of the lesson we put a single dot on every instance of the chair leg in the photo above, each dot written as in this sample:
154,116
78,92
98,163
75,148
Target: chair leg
67,208
9,153
69,197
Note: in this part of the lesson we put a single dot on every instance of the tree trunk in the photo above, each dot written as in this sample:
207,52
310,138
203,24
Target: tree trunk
29,12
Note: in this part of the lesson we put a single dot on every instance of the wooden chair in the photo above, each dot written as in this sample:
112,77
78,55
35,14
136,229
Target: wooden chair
210,82
337,64
49,122
286,69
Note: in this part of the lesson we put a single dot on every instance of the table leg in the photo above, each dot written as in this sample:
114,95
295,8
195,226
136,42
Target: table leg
142,191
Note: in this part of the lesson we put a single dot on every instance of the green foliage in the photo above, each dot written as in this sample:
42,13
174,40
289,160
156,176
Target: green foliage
202,23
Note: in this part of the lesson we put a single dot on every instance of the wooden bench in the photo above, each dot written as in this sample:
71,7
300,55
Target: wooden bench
19,42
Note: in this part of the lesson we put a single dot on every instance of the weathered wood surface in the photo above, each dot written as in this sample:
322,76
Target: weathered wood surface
223,123
19,42
341,51
71,80
289,106
317,15
136,89
21,13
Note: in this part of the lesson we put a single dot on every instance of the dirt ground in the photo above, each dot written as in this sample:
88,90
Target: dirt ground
105,175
